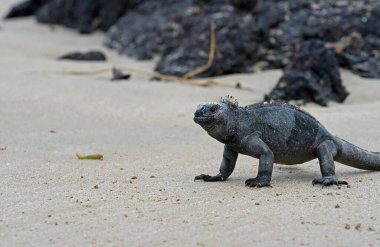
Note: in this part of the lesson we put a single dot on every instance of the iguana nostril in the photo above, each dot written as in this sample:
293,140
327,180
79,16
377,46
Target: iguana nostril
198,113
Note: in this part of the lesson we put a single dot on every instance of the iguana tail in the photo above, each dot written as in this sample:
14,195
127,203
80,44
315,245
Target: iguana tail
351,155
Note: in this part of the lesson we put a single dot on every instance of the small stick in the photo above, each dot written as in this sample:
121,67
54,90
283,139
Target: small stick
211,56
207,82
79,73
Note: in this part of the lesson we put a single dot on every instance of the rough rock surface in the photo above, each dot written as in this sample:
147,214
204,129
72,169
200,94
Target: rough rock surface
182,39
84,15
313,76
362,56
246,31
25,8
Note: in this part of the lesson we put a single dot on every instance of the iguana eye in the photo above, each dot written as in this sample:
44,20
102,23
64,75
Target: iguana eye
213,108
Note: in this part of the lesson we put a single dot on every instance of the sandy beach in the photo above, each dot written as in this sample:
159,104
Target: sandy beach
143,193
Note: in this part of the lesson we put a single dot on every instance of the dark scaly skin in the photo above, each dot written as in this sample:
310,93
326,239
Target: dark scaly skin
277,133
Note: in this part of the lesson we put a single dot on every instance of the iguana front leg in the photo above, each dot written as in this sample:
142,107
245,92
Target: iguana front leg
226,167
255,147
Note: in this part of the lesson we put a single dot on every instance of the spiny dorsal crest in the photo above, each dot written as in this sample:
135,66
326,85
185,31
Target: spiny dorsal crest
228,99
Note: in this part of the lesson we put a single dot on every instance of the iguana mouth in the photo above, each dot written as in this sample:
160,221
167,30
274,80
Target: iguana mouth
200,120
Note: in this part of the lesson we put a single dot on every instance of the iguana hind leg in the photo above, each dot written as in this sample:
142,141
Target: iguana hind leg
326,152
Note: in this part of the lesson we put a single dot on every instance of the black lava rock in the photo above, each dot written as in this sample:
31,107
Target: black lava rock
84,56
313,76
25,8
362,56
84,15
118,75
183,39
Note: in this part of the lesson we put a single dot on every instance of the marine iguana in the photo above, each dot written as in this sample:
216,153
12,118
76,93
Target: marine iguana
276,132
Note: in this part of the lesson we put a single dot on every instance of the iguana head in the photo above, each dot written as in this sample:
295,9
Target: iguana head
217,118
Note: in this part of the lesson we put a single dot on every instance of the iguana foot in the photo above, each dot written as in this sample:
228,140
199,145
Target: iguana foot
258,182
209,178
328,180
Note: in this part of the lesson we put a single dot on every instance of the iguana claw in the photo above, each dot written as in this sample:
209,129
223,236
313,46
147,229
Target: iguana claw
258,182
328,180
209,178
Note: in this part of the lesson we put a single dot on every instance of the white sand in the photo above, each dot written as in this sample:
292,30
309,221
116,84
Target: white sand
145,129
